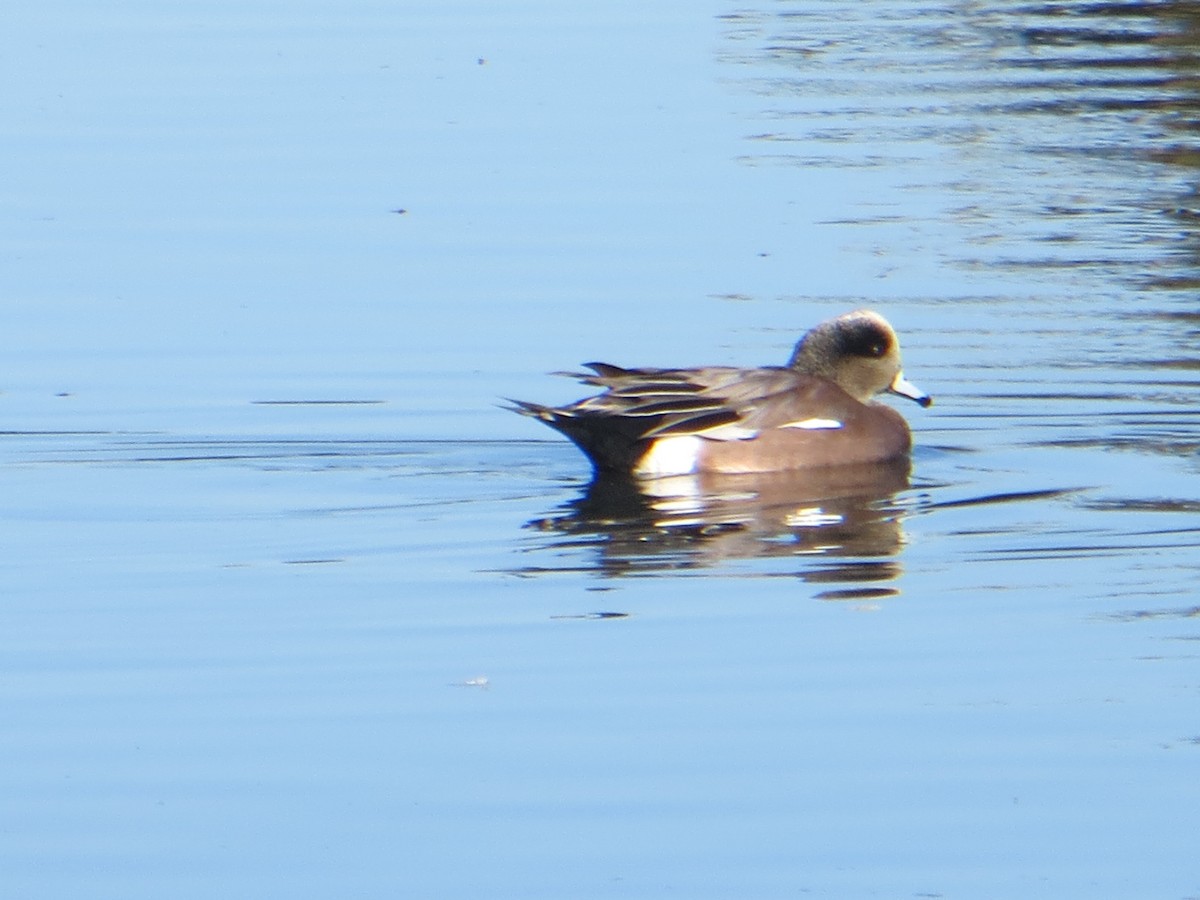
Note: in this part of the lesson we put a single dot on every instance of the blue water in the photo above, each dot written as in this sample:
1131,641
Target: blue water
292,607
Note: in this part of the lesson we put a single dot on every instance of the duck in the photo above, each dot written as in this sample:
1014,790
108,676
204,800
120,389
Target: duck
819,410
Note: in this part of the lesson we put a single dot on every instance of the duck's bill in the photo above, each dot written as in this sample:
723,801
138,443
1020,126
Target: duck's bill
905,388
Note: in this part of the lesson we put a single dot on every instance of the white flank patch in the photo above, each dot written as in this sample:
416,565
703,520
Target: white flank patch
814,424
731,431
675,455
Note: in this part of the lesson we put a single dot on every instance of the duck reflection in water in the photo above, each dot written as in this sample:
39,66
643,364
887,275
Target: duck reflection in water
844,521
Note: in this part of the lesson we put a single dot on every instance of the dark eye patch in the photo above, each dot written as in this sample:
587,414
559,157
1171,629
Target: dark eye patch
865,339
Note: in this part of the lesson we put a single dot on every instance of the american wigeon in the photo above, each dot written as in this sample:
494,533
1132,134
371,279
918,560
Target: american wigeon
816,411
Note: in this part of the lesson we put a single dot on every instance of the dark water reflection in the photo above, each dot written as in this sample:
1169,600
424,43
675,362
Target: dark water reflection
843,523
1062,136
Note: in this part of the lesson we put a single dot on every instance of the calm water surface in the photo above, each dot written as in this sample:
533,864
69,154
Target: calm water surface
292,607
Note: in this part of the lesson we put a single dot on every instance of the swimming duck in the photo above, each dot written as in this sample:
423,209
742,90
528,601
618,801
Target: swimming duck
818,410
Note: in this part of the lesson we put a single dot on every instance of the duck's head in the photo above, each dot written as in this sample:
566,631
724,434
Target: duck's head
860,353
